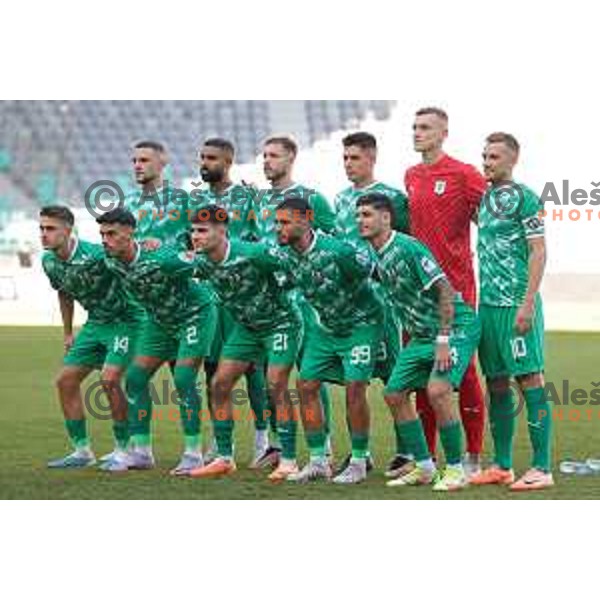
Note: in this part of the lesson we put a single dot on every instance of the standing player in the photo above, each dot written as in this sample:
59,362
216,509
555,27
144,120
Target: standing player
160,212
444,333
267,329
512,256
180,327
444,196
76,269
360,156
216,159
279,156
334,277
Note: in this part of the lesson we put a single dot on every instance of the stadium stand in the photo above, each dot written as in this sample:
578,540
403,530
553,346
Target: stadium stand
55,149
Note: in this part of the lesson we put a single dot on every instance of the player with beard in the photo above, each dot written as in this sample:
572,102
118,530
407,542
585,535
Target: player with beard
216,158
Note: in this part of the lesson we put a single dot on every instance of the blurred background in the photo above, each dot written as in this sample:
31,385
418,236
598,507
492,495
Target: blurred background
51,151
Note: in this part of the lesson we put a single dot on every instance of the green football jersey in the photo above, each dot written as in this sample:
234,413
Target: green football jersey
250,282
237,199
502,245
408,271
345,208
161,281
163,214
266,208
334,277
85,277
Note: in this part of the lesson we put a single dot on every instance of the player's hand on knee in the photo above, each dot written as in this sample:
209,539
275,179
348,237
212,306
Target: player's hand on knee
443,360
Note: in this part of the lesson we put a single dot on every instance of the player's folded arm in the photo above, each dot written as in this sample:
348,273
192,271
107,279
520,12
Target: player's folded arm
354,262
324,215
176,262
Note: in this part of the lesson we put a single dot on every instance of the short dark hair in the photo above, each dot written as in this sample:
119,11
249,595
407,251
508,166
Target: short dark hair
296,203
379,202
362,139
499,137
117,216
211,214
433,110
157,146
62,213
284,140
220,143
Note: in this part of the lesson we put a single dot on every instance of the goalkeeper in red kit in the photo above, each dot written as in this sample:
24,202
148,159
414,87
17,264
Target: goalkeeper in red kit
443,198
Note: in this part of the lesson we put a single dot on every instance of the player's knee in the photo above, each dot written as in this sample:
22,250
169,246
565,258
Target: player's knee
439,392
308,387
111,378
532,380
499,385
395,399
67,381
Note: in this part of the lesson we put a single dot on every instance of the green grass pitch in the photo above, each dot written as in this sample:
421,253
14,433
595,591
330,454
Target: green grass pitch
31,432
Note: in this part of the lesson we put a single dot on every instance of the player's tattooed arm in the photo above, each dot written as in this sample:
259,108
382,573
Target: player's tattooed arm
446,305
67,309
537,264
446,295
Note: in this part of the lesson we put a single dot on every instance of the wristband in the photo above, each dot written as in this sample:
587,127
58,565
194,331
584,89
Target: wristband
443,339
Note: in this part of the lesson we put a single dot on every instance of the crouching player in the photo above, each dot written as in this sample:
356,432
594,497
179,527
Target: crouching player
444,333
512,256
267,329
334,277
180,326
77,270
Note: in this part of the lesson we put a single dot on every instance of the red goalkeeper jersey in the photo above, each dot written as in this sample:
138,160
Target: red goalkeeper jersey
443,198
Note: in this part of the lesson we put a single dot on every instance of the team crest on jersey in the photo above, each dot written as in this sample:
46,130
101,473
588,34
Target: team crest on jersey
440,187
187,256
428,265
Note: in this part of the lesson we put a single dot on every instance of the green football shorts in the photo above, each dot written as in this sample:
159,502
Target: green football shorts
389,347
193,340
505,353
99,344
340,359
277,346
414,368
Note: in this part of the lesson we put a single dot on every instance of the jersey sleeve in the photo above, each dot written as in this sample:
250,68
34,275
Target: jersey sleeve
531,219
324,217
426,269
475,187
174,262
270,259
50,272
401,217
355,262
